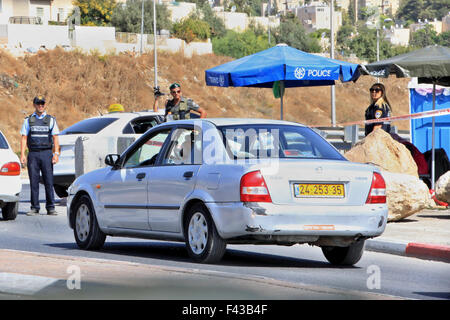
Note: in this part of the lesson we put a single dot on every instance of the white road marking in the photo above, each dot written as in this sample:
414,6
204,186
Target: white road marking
14,283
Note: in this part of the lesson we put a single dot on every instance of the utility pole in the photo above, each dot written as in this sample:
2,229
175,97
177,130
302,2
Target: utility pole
333,88
142,26
268,18
154,43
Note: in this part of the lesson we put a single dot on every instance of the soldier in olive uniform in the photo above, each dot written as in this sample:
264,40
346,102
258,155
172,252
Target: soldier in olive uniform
179,107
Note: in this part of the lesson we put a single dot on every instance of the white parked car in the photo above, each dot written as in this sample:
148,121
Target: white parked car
123,124
10,183
211,182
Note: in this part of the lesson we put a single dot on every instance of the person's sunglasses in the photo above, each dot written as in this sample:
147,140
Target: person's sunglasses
176,91
375,90
41,103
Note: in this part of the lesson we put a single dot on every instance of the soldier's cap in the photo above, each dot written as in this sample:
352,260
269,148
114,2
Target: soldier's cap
116,107
39,100
174,85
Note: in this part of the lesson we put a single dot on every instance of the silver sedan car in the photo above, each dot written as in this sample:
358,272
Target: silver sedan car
213,182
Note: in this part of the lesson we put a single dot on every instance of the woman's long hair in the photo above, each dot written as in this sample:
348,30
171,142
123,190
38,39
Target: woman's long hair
383,98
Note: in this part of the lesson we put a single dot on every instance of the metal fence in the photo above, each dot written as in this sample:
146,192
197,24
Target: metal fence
343,138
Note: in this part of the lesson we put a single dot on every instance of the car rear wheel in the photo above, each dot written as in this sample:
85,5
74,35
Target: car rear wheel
202,240
85,228
344,256
10,210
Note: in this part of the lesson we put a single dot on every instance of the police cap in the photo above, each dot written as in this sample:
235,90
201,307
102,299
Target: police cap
39,100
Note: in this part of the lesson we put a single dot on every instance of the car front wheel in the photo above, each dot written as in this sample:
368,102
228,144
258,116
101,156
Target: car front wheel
10,210
202,240
344,256
86,230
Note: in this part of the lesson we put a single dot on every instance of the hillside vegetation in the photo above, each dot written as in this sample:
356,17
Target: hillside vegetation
78,86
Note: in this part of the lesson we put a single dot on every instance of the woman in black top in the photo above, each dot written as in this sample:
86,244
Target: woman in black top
379,108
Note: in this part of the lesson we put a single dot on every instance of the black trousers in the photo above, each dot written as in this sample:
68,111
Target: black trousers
41,162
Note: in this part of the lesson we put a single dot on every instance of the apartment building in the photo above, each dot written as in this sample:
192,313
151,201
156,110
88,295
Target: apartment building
45,10
386,6
397,35
317,15
446,23
437,25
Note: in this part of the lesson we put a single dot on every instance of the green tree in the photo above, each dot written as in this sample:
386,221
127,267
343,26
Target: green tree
293,34
364,45
191,29
351,13
95,12
412,10
216,25
128,18
444,39
344,38
238,45
424,37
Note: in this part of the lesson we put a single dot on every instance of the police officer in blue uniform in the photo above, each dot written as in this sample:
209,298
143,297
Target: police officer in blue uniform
40,135
378,109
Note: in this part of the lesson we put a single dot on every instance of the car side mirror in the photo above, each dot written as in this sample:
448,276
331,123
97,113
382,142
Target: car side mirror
111,160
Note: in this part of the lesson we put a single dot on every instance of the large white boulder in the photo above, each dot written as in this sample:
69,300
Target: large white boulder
405,194
380,149
442,187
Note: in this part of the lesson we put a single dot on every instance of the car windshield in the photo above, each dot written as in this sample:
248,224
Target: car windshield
3,143
276,141
89,126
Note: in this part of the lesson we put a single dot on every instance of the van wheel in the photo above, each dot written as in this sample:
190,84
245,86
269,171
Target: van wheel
10,210
85,228
202,240
344,256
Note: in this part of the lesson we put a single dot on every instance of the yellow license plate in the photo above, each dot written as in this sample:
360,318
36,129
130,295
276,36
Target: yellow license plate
312,190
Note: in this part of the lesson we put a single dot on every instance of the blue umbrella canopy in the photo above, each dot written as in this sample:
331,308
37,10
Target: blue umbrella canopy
281,63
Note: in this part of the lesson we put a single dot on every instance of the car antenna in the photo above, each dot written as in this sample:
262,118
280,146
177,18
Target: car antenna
99,111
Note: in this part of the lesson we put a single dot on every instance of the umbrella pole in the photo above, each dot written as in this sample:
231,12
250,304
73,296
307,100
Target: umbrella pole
281,100
433,171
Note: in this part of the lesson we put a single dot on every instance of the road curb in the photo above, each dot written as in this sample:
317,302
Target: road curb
410,249
428,251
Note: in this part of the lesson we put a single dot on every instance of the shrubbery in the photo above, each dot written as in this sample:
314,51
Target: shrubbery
191,29
238,45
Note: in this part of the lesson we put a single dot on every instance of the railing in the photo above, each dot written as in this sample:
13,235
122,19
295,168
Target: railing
343,138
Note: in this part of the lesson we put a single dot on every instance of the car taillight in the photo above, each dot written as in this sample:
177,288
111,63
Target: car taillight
377,193
254,188
10,169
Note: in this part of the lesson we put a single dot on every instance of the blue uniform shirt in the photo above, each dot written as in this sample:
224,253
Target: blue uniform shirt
54,130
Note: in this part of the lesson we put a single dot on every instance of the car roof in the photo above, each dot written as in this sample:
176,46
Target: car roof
130,114
243,121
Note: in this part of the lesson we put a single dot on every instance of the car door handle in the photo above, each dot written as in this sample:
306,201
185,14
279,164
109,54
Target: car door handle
140,176
188,174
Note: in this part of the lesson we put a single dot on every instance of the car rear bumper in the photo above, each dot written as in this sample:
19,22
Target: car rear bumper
10,188
9,198
297,223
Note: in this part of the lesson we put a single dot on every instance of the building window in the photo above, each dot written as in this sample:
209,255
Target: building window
61,16
40,12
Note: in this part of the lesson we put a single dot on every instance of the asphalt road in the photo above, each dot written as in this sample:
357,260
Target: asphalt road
377,273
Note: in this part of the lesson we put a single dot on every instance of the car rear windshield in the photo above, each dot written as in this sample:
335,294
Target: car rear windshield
3,143
89,126
276,141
